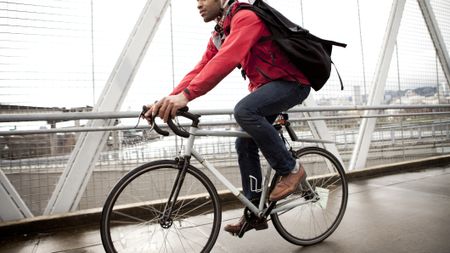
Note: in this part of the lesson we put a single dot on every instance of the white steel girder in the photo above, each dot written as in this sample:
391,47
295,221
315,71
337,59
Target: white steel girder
361,149
12,206
78,171
436,36
319,128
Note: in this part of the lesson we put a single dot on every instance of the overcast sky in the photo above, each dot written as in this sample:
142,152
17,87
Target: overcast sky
63,66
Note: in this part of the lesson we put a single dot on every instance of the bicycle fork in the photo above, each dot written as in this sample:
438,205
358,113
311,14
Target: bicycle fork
165,220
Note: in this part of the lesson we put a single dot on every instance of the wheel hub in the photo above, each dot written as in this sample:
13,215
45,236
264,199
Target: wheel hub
166,222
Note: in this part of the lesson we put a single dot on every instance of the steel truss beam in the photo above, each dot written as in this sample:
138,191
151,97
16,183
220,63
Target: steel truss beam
77,173
361,149
12,206
436,36
319,128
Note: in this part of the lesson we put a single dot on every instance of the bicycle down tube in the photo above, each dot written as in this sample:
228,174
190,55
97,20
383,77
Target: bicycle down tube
190,151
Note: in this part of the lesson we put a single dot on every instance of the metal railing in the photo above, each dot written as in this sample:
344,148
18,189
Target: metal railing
117,115
403,132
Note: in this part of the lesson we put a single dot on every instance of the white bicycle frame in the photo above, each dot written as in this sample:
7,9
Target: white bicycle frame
259,211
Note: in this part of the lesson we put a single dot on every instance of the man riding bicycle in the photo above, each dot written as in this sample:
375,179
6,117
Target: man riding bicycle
241,40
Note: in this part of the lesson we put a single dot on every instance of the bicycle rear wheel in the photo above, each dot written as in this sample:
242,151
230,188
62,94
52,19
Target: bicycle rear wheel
131,218
318,205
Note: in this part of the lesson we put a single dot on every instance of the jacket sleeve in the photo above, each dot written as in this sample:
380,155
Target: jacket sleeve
246,30
208,55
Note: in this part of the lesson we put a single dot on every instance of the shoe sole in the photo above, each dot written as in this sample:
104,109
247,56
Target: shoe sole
257,228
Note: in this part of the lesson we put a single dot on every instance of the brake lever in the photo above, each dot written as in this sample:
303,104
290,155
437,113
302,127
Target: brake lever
152,122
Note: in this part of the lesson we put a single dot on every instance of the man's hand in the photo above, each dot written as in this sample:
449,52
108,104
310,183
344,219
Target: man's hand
167,107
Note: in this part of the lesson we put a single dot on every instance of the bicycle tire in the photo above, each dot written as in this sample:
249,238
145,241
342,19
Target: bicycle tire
130,217
317,219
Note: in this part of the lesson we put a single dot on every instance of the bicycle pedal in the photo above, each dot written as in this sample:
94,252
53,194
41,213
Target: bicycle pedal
244,229
234,234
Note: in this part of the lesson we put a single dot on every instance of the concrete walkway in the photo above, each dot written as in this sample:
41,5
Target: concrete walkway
407,212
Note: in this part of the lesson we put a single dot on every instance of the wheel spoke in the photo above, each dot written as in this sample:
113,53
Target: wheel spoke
132,218
312,222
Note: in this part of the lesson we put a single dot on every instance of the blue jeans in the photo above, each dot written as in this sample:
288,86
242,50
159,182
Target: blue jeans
255,113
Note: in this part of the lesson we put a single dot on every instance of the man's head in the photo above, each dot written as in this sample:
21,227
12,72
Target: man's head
211,9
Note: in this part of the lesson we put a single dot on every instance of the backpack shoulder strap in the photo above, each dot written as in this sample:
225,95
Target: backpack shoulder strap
339,76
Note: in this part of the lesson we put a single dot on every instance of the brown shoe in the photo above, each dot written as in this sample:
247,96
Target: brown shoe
236,228
287,184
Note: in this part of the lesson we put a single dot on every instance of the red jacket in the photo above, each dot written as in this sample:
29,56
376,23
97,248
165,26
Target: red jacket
262,60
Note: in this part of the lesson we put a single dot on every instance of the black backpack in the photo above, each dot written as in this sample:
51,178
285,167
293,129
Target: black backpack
309,53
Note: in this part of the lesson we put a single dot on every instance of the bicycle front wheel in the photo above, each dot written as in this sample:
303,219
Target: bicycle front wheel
315,209
132,218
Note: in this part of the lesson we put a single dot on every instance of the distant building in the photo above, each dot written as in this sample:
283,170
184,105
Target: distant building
37,145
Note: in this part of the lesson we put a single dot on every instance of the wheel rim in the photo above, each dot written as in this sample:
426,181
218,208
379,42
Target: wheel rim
133,222
325,198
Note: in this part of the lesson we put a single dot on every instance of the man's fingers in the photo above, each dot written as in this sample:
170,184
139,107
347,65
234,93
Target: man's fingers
158,107
166,114
148,113
173,112
162,110
166,108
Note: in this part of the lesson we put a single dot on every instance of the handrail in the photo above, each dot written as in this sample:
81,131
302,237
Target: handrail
134,114
109,115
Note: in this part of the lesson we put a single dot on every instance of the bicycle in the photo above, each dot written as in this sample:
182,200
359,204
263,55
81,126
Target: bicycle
172,206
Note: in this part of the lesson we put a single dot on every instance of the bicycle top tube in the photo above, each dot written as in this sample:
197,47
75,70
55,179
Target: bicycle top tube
195,118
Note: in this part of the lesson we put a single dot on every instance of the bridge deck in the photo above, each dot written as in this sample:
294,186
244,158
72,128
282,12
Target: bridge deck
407,212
